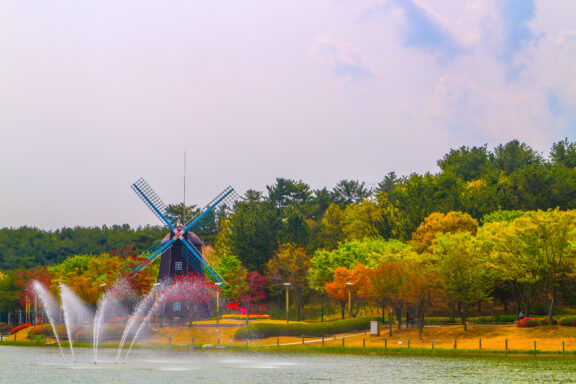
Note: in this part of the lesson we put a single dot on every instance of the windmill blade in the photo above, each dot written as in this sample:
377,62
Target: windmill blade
199,257
152,201
226,199
152,254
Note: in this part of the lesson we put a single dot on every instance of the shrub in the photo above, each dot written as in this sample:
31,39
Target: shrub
569,321
44,330
492,319
264,330
529,322
251,316
106,334
19,328
436,320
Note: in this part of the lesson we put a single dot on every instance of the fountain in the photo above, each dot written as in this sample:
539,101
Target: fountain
50,307
75,313
79,317
136,320
108,306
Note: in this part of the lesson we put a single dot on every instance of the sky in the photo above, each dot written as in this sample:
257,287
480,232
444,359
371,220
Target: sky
94,95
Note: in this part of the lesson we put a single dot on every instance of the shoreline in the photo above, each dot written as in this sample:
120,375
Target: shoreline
316,350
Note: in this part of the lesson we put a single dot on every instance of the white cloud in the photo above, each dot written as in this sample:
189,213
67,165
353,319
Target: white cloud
344,59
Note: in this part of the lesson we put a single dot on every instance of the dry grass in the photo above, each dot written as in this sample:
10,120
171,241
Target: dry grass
493,337
547,338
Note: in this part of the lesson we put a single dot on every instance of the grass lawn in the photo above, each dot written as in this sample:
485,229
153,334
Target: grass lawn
547,338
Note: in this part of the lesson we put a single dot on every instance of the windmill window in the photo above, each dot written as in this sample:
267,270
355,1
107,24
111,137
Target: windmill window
178,266
177,306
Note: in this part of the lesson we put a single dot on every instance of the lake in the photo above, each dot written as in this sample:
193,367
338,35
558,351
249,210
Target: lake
46,366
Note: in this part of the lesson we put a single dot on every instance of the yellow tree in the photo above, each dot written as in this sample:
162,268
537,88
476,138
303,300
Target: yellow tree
362,220
290,264
330,231
451,222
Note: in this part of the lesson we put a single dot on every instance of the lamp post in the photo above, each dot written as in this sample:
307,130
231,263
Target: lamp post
217,304
349,299
287,285
35,310
322,305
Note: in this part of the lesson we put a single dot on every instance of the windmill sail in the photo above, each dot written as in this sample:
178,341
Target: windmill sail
152,201
220,205
225,200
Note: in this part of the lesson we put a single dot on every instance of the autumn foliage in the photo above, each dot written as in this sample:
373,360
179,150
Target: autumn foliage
451,222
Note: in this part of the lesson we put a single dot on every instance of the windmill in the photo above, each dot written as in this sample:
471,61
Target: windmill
180,251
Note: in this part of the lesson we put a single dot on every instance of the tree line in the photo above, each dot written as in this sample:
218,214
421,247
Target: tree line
286,233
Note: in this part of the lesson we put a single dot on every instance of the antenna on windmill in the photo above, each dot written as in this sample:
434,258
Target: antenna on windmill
184,180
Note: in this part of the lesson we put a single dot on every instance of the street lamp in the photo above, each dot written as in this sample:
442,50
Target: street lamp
322,305
217,304
287,285
349,299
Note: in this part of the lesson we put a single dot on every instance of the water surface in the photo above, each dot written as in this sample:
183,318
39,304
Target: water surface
45,366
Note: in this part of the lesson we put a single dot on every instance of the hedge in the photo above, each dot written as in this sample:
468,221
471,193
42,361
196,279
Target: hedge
107,333
493,319
264,330
473,320
569,321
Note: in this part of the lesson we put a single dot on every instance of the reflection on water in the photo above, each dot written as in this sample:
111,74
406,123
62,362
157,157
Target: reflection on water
44,365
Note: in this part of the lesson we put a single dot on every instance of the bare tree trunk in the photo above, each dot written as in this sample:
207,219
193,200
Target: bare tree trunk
399,315
464,314
551,306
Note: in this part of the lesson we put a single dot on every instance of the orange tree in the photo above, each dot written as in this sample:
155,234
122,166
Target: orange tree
339,288
85,274
24,282
385,282
419,288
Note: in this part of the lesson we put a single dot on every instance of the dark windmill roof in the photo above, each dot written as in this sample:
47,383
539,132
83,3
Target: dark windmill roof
190,236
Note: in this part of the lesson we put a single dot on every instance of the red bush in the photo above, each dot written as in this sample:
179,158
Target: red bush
19,328
529,322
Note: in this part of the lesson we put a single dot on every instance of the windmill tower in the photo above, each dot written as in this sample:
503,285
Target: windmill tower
180,251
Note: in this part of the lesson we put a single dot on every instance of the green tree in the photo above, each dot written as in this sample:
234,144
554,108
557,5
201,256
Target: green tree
563,153
330,233
287,192
545,239
294,229
369,251
466,163
514,155
462,270
362,220
181,213
234,274
252,233
350,192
